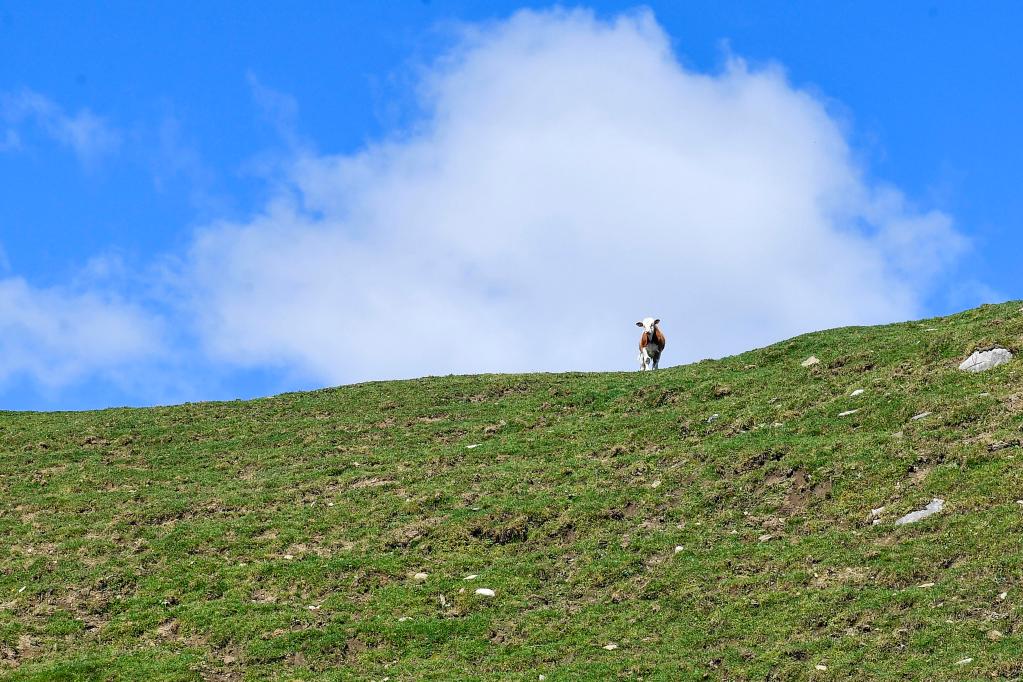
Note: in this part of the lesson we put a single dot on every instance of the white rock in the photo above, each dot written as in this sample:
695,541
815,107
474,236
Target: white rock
713,417
847,413
919,416
420,577
858,391
821,667
1002,596
925,585
933,507
877,512
471,577
964,661
404,619
765,538
811,361
655,484
679,548
474,445
610,646
485,592
981,361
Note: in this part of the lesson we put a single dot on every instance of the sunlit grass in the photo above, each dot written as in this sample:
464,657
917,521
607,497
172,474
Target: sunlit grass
279,538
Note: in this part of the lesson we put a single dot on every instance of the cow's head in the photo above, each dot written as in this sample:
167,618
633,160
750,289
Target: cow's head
648,324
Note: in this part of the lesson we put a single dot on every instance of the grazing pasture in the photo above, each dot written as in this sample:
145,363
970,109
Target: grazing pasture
727,519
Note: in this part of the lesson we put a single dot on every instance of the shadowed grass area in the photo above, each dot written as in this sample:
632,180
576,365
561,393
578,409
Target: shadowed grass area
280,538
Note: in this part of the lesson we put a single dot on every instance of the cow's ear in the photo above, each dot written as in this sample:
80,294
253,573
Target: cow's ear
657,321
639,324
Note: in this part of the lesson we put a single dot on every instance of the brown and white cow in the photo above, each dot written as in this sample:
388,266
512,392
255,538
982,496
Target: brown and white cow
651,343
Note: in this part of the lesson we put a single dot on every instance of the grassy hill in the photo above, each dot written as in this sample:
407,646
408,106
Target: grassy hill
625,530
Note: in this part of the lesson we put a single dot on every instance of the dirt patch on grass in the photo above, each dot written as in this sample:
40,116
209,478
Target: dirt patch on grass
503,530
918,473
758,460
167,629
803,491
721,391
844,576
372,482
628,511
411,533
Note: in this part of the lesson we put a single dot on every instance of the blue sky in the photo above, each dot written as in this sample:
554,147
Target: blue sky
190,193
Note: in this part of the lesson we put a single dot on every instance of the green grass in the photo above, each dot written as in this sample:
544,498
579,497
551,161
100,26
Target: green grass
278,538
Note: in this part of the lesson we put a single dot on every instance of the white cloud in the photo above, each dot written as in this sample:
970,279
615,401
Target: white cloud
55,337
278,109
86,134
568,178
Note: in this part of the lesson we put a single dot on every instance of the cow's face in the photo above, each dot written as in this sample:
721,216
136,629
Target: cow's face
648,325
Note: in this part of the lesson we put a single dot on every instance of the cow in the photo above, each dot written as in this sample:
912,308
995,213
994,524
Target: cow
651,343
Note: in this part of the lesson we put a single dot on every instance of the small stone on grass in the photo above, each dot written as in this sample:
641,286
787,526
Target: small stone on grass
933,507
981,361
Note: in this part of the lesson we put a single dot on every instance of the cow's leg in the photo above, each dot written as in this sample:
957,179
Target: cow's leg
657,359
643,357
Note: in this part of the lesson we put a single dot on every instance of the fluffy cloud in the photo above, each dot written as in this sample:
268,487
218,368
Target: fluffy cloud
56,336
568,177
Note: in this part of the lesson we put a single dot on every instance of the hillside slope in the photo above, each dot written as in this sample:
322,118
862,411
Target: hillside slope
624,532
